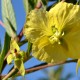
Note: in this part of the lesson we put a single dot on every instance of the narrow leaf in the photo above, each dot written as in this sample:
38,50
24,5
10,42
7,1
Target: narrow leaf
5,50
29,48
26,6
20,66
78,66
45,2
32,3
12,27
29,5
8,13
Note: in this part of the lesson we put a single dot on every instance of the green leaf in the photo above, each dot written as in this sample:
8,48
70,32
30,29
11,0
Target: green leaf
8,13
22,69
23,42
32,3
26,6
29,5
45,2
29,47
10,58
78,66
20,66
4,50
12,27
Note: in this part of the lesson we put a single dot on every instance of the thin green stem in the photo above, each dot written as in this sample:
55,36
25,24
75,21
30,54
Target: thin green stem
78,2
23,42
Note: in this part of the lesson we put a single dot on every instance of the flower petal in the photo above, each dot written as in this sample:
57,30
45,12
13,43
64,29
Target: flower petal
14,46
36,25
10,58
65,15
67,20
45,51
73,41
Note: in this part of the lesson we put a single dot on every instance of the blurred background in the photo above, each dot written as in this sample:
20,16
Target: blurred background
62,72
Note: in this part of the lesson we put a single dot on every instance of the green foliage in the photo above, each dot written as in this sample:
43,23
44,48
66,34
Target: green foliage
4,50
29,5
8,17
26,5
29,48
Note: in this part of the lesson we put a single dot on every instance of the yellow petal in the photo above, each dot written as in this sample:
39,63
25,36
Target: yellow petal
36,25
14,46
45,51
10,58
65,15
73,41
67,20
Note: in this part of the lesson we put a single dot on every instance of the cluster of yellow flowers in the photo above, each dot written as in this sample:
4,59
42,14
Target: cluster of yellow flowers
55,34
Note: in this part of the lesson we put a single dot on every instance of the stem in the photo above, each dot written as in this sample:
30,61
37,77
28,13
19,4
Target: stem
9,74
19,37
36,68
39,5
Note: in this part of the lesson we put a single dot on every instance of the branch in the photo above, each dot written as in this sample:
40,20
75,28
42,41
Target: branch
36,68
39,5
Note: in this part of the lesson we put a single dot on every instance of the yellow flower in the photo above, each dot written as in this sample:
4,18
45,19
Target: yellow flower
55,34
17,56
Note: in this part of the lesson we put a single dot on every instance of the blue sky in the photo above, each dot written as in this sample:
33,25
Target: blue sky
20,18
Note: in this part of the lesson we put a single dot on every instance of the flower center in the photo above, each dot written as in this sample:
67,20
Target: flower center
56,36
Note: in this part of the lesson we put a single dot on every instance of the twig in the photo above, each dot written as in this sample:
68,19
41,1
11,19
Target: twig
36,68
39,5
9,74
